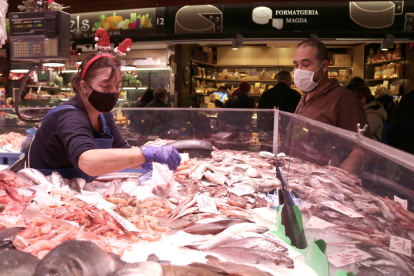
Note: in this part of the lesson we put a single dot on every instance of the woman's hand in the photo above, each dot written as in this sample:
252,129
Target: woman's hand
164,155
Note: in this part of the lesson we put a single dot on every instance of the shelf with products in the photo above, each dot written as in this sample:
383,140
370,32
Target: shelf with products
384,62
385,66
229,80
384,79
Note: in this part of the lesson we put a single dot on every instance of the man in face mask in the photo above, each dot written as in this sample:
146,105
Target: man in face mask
324,99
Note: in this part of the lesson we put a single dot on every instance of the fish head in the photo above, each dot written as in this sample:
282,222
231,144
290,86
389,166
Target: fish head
60,265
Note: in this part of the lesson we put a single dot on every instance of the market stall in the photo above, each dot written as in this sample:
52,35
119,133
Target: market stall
218,206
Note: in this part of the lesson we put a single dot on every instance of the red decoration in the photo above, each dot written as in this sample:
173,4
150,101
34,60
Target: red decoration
103,40
123,47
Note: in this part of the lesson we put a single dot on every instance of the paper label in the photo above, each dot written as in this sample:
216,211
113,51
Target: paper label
348,256
342,209
206,205
42,188
74,223
400,245
210,220
96,200
130,227
184,157
318,223
241,190
403,202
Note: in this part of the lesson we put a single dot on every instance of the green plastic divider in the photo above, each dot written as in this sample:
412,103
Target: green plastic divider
314,256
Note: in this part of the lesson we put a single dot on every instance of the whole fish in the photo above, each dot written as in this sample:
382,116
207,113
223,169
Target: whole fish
7,236
198,172
230,232
390,270
57,179
377,262
74,258
18,180
79,182
176,270
236,269
366,208
34,175
250,256
213,227
140,268
17,263
216,178
121,175
256,243
213,268
180,223
390,256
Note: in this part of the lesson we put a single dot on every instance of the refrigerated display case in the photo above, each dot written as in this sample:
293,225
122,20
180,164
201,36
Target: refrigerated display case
354,193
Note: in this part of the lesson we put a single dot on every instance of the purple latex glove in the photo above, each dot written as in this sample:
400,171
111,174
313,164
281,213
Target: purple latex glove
164,155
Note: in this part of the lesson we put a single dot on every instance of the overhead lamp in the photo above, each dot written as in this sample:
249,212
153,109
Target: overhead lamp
19,70
53,64
235,44
79,50
384,45
73,46
79,62
387,42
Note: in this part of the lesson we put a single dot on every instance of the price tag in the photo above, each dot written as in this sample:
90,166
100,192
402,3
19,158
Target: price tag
403,202
184,157
95,199
318,223
241,190
130,227
42,188
348,256
206,205
342,209
400,245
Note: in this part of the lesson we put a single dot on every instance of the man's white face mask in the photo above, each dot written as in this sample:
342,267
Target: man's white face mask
304,79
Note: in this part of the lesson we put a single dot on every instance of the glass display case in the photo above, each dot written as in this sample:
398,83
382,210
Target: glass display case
355,193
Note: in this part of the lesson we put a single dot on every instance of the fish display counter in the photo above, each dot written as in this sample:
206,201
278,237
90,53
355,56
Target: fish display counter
355,193
258,192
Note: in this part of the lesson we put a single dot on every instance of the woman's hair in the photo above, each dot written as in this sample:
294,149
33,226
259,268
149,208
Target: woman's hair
364,92
103,62
382,91
148,96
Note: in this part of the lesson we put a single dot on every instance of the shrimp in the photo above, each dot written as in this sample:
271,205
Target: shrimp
39,246
19,242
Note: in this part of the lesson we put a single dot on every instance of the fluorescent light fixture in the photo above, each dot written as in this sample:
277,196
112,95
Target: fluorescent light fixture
19,70
53,64
133,88
235,44
64,100
66,89
70,71
79,62
127,68
132,68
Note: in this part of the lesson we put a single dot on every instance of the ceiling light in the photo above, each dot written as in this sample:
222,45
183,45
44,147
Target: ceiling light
79,50
235,44
384,45
79,62
19,70
53,64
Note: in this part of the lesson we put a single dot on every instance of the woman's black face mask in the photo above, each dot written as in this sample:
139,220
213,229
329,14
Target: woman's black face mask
103,102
